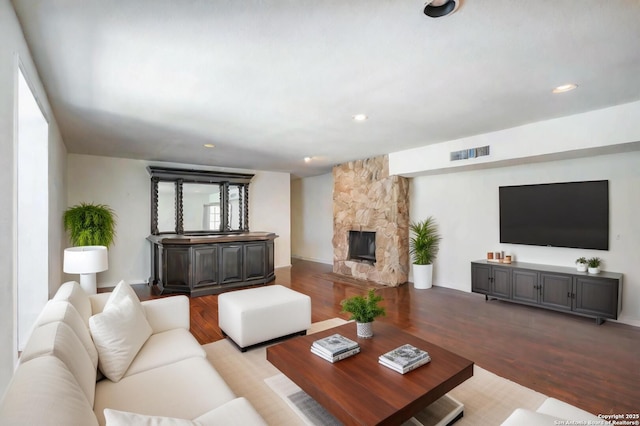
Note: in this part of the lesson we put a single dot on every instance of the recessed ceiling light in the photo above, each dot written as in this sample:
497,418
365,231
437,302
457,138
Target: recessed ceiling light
209,145
307,159
440,8
564,88
360,117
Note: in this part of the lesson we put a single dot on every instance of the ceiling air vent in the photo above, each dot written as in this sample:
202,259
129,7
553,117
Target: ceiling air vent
465,154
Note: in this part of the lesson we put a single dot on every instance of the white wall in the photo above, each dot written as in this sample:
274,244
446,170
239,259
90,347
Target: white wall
124,185
465,206
312,218
608,130
32,165
270,210
12,47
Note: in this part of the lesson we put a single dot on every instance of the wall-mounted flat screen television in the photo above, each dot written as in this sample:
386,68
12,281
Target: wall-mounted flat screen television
568,214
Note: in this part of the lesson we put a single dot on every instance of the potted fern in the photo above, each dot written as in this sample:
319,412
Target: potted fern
364,309
424,245
90,224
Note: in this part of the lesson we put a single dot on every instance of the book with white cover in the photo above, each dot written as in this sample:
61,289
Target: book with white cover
406,369
338,357
404,356
334,344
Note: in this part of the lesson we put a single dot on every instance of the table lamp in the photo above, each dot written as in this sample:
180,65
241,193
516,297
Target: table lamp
86,261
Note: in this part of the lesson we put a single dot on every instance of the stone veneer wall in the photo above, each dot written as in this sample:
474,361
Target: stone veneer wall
366,198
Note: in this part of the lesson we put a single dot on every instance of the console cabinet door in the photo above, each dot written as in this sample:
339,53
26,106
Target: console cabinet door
271,262
176,262
501,282
556,291
205,266
230,263
596,296
480,275
254,261
525,286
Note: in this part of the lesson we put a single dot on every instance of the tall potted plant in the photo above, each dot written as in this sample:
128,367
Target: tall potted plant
91,230
424,245
364,310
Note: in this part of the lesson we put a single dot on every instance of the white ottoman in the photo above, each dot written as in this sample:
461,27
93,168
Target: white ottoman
258,315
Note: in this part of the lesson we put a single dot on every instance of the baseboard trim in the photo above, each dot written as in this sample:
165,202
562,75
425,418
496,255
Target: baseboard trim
312,259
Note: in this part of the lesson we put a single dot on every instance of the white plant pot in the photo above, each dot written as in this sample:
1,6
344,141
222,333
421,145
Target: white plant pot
581,267
594,270
364,329
422,276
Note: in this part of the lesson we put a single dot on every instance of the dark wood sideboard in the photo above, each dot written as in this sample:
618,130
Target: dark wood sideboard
211,264
558,288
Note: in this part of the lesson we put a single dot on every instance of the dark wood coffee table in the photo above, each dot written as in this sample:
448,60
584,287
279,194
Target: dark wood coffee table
360,391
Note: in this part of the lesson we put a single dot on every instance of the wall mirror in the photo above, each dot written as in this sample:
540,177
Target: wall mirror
198,202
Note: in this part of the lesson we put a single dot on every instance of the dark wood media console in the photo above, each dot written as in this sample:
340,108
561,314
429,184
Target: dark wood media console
211,264
558,288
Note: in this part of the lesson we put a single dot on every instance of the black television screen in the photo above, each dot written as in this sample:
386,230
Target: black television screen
569,214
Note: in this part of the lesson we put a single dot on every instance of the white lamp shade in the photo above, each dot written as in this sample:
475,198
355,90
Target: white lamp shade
85,259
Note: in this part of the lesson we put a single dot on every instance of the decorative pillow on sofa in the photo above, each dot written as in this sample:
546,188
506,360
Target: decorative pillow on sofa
119,331
123,418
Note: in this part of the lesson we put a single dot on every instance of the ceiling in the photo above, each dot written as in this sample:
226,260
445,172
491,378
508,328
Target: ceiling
269,82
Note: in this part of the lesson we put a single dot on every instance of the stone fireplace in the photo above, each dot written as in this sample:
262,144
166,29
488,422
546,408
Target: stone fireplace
367,201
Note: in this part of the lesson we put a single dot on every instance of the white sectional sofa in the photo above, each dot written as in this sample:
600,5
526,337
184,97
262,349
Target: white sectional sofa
553,412
156,372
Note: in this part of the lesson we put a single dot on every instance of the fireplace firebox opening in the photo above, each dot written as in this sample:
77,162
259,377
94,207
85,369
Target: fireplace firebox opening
362,246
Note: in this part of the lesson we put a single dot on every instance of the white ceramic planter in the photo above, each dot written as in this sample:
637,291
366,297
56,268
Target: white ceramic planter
594,270
364,329
422,276
581,267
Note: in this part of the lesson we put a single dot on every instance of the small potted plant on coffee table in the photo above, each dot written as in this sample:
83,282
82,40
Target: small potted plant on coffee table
594,265
581,264
364,309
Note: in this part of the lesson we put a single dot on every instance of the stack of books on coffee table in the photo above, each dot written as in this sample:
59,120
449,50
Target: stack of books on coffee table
404,358
335,347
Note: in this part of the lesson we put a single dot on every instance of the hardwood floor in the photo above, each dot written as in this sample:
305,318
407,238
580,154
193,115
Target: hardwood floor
594,367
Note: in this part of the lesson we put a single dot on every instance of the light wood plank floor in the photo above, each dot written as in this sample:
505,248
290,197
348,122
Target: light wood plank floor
595,367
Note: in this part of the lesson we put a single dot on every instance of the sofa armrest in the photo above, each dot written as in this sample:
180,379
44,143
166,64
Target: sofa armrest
523,417
167,313
98,301
237,412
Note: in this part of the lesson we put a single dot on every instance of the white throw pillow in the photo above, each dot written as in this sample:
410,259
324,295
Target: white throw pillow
123,418
119,331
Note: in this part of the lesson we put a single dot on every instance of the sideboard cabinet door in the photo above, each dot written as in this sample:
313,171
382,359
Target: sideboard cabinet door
556,291
230,263
480,275
597,296
501,282
254,261
525,286
205,266
176,264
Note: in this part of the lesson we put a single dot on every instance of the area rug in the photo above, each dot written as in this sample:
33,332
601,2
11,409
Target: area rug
488,399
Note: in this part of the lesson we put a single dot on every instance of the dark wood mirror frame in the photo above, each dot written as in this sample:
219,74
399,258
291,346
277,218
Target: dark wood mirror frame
223,179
